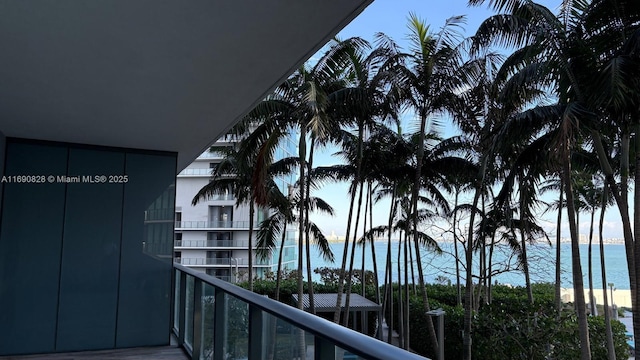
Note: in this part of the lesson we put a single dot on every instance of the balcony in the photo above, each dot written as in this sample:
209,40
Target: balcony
210,261
196,262
216,320
202,225
195,172
211,243
213,319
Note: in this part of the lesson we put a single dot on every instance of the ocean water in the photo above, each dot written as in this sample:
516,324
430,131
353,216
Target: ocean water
541,263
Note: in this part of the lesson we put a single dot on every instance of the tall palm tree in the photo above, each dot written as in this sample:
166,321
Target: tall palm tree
234,175
429,78
556,184
611,351
546,49
362,102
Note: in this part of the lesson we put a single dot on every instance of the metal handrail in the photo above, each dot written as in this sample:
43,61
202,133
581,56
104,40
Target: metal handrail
325,332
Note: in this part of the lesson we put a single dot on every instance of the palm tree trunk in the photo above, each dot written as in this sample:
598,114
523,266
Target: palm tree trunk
413,276
611,351
455,248
558,286
620,194
252,210
373,250
636,249
336,315
400,297
343,267
406,293
490,269
347,299
389,267
414,217
468,296
312,307
592,298
482,262
274,323
280,255
363,278
525,260
585,348
364,232
302,155
375,264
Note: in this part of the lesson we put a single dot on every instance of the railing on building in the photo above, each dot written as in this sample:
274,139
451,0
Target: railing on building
211,243
211,155
213,225
210,261
195,172
217,320
221,261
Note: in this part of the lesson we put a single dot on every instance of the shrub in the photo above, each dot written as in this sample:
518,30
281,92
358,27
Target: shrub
510,328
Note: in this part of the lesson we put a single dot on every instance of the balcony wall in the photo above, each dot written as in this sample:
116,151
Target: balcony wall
81,268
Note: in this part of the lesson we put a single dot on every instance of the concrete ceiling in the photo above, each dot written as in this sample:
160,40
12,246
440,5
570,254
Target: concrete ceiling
167,75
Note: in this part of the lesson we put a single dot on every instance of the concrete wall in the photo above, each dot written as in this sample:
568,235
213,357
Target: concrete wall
621,298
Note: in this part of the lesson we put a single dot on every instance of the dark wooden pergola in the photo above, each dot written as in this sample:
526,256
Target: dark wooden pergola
325,303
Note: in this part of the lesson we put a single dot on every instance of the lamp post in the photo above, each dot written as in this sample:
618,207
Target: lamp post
611,286
614,308
439,315
233,278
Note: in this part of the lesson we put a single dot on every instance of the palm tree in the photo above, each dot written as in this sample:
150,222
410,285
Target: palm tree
233,175
611,351
552,51
363,101
428,79
556,184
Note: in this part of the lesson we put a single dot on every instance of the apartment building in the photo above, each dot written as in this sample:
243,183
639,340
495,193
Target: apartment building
213,236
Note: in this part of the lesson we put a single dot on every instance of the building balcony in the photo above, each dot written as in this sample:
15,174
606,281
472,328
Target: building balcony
211,261
213,225
206,172
214,319
242,262
211,244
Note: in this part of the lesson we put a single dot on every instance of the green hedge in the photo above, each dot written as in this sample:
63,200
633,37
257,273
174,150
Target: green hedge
510,328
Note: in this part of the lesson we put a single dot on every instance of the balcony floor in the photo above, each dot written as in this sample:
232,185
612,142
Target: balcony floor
146,353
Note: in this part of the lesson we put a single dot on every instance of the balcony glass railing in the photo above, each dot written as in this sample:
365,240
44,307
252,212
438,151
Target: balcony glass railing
196,172
211,155
211,243
217,320
222,261
213,224
210,261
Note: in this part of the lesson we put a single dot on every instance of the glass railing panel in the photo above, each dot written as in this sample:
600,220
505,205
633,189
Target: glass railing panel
284,341
342,354
208,325
176,301
237,328
188,323
228,316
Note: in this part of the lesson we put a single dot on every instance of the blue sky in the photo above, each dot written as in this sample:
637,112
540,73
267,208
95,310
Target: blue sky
390,17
